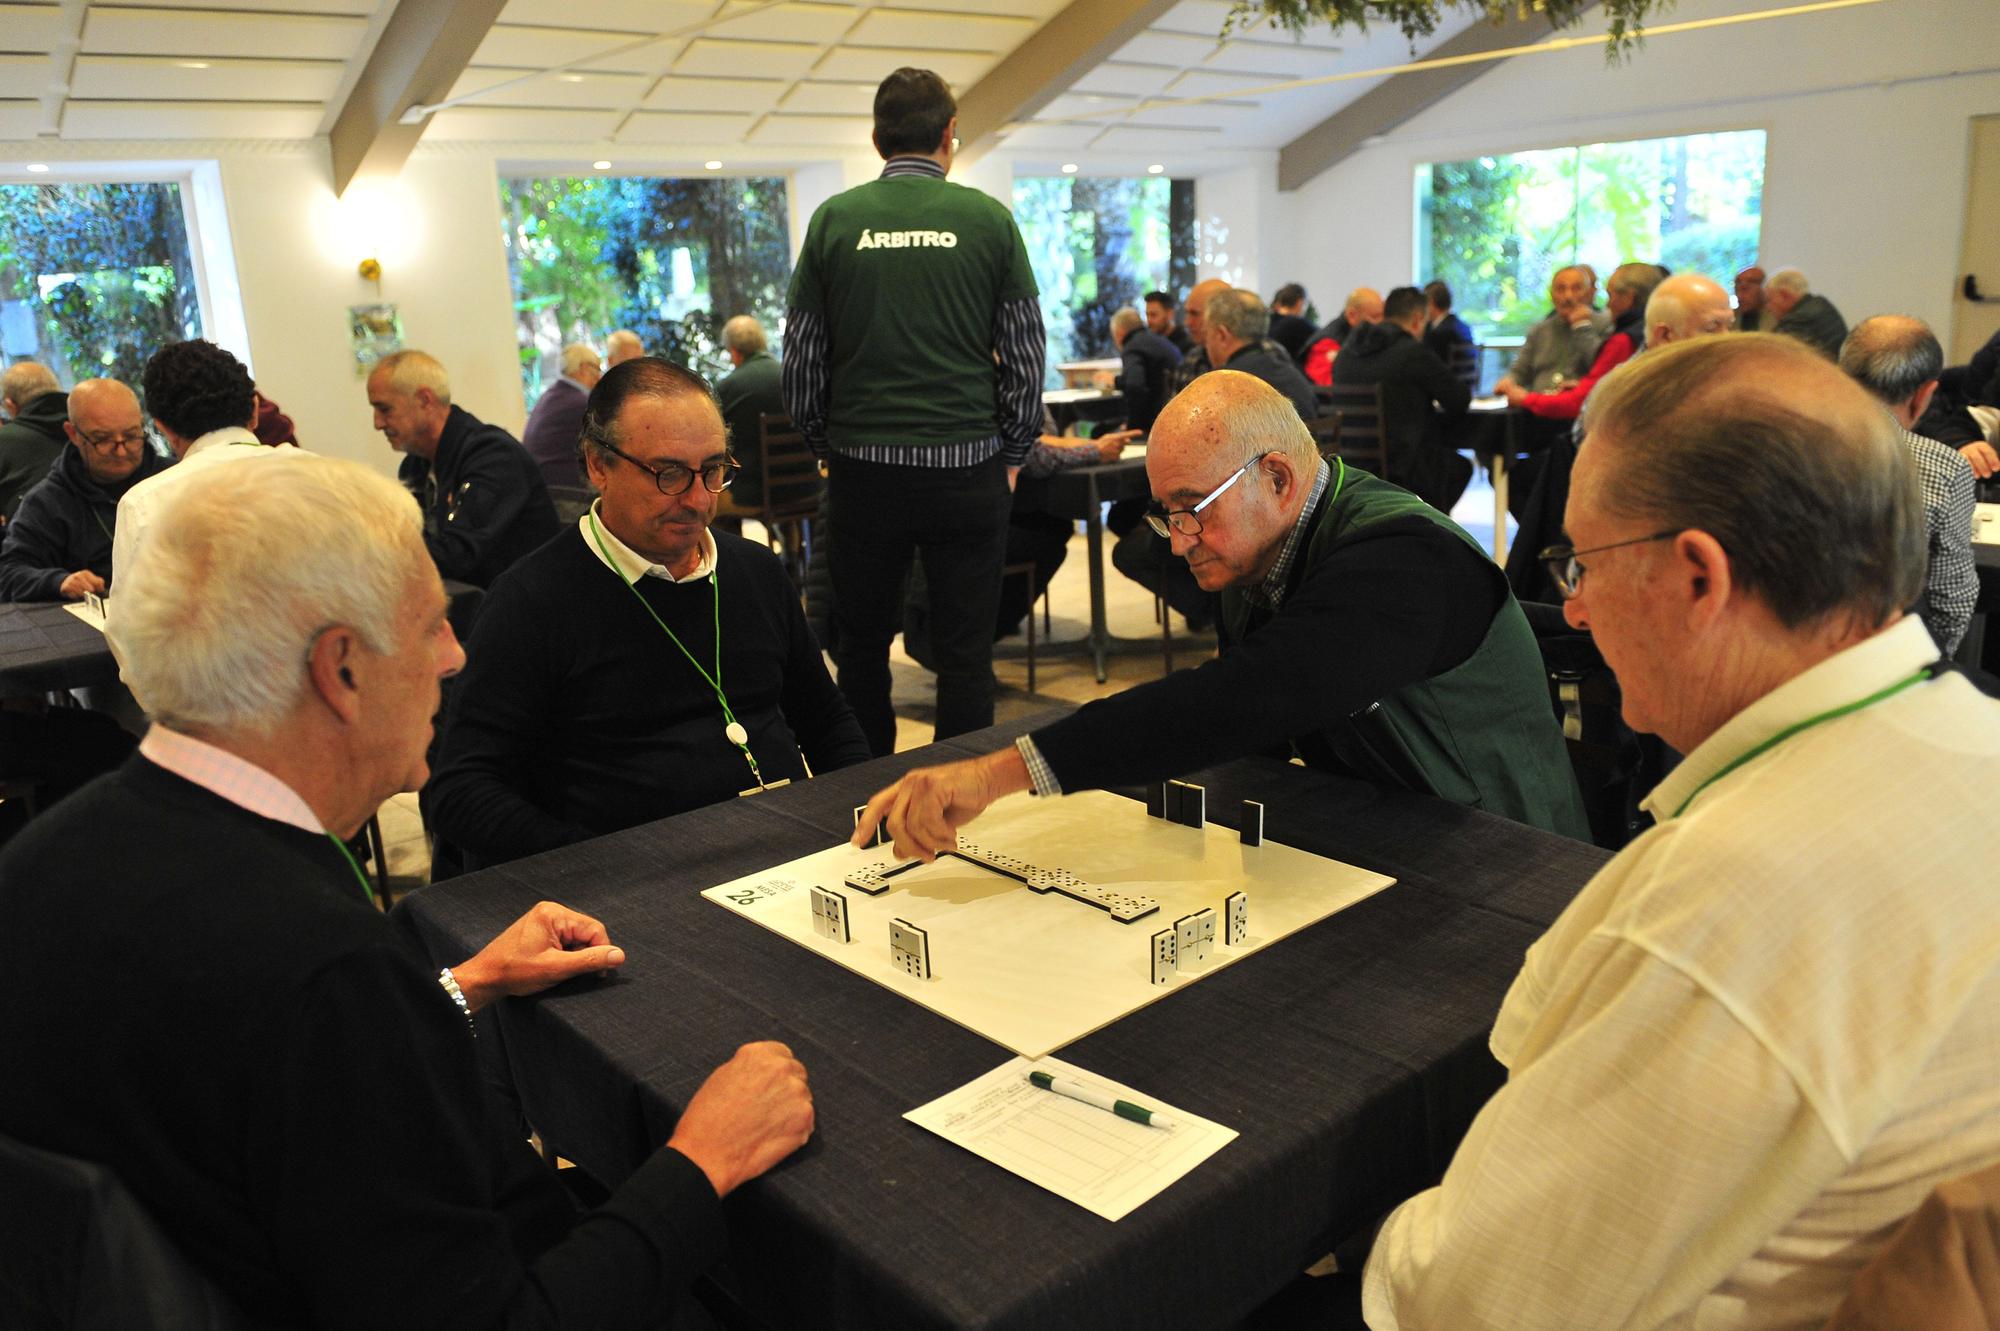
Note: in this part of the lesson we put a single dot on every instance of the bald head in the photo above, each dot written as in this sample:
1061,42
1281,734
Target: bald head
1750,289
1898,360
1364,306
1686,305
622,346
106,426
1195,307
23,382
1229,416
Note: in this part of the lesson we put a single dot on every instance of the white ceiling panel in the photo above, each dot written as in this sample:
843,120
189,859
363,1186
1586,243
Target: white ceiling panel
508,46
1090,106
571,89
1206,115
190,120
20,120
1274,61
710,55
119,31
683,127
818,131
1201,18
1132,80
155,78
356,8
834,99
1154,47
29,27
1210,83
944,32
681,94
788,23
851,64
622,16
1054,138
23,73
1041,11
507,124
1160,137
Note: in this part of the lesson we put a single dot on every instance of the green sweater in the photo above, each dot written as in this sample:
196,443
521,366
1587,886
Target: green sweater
906,273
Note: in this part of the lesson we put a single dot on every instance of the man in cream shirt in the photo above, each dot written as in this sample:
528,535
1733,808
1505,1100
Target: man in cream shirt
1769,1028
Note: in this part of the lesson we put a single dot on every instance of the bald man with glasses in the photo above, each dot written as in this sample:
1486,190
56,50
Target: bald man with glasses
639,664
59,545
1361,631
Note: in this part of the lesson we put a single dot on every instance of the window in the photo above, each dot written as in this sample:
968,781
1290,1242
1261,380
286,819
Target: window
95,276
1097,243
1497,228
670,259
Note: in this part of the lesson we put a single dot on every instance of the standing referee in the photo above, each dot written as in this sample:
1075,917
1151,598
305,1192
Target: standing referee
913,364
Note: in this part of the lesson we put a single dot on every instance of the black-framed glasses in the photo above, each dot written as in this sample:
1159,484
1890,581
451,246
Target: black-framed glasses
107,441
1567,573
1187,521
674,479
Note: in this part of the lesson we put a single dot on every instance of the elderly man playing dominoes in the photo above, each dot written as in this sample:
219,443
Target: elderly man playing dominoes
1360,629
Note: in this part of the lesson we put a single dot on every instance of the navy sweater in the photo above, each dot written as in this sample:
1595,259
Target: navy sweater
576,715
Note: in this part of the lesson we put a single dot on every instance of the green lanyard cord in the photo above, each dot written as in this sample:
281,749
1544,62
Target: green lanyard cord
714,681
359,876
1930,671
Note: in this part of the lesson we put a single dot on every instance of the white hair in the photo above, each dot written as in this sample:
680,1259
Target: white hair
1788,279
407,371
743,333
577,355
1125,319
244,569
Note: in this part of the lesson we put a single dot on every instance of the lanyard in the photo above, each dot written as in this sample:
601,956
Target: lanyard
732,728
359,876
1930,671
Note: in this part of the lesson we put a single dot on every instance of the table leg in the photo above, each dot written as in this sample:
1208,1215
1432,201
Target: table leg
1093,535
1500,508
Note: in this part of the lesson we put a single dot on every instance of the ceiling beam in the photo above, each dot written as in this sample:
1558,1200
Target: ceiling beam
423,49
1400,98
1042,68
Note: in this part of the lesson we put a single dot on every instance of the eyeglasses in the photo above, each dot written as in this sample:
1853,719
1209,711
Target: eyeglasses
674,479
1187,521
1567,572
111,441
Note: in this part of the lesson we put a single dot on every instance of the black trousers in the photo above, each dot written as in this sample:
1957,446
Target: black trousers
955,520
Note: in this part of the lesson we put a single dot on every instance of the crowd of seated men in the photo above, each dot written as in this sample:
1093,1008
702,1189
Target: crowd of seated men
1752,1046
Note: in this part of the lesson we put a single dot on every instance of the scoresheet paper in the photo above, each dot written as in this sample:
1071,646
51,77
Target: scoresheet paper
1090,1156
86,612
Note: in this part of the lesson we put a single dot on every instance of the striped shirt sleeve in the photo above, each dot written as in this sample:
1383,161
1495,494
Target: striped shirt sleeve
805,379
1020,346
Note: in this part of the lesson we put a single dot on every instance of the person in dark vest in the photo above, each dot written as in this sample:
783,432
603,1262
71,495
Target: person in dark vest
914,350
1360,629
484,500
754,389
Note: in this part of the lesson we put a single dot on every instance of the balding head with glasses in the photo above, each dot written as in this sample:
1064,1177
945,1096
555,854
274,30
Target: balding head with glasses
657,453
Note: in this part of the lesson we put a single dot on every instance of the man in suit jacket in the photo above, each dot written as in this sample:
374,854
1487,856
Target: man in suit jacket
556,424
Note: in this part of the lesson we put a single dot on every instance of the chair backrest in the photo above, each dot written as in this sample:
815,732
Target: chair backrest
1360,441
78,1252
572,502
792,483
1465,364
1326,433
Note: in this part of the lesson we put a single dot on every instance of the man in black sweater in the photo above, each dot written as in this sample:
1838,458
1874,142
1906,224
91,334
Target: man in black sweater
484,500
1419,394
1360,629
640,664
1146,376
246,1010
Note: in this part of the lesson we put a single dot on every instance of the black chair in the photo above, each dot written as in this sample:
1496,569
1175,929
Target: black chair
792,489
1360,440
78,1252
1465,365
572,502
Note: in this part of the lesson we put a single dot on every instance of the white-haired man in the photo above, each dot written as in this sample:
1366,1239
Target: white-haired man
1898,359
1792,307
245,1008
1361,629
1767,1029
31,439
484,500
1146,368
755,388
621,346
1686,305
554,433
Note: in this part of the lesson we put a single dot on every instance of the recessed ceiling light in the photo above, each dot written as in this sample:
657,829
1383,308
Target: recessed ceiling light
713,166
38,166
1155,169
194,64
1069,168
600,166
571,78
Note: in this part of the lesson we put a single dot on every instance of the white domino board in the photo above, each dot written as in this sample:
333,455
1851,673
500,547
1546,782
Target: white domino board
1034,971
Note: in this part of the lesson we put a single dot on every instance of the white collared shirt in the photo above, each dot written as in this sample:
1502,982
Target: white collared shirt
228,777
629,563
1751,1045
144,502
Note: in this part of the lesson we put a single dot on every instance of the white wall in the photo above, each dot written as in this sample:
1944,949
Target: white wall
1866,111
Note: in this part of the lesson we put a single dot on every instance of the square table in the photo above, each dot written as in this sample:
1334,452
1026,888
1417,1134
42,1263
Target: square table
1350,1056
44,648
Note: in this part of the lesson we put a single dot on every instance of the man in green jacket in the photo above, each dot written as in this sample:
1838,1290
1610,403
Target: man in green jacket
913,365
1361,630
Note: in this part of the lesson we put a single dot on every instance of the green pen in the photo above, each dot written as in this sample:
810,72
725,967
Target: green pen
1090,1095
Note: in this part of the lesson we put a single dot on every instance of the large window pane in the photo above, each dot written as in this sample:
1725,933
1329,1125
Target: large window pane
1097,243
671,259
94,277
1497,228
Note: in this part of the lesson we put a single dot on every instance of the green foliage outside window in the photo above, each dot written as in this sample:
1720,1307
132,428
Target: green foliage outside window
96,276
1497,228
671,259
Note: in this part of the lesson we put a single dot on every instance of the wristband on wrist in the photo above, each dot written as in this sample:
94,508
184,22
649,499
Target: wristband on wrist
449,983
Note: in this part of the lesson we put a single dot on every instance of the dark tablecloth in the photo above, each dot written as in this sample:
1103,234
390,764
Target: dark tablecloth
1350,1056
43,647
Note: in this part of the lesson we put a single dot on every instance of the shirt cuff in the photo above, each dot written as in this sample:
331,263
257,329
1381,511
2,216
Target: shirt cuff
1041,777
